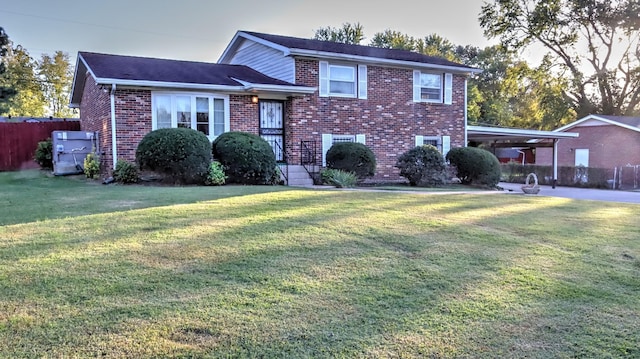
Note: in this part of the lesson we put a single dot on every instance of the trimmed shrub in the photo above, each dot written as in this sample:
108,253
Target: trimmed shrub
44,154
423,166
181,155
216,176
246,158
352,157
91,166
475,166
125,172
339,178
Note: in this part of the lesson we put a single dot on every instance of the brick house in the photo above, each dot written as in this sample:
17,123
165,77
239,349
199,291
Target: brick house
301,95
603,142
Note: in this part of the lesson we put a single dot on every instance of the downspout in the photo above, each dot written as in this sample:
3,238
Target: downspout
465,112
113,125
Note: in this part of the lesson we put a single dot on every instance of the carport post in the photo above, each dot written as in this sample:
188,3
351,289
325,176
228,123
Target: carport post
555,163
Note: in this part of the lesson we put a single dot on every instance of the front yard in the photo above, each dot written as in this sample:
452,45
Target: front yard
88,270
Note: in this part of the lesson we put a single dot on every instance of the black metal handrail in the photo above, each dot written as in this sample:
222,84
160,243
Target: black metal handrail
275,145
308,159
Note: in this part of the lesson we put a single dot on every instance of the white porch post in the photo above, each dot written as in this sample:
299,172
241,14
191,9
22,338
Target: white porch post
555,163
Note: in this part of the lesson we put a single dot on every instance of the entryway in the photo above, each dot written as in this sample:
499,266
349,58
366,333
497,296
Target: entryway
272,126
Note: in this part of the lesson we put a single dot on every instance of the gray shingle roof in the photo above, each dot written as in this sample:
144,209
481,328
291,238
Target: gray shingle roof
625,120
356,50
119,67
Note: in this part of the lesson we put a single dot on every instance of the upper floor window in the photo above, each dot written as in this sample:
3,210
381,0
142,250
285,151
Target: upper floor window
206,113
432,87
342,80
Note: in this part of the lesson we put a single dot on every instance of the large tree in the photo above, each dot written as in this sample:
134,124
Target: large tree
347,34
596,43
56,75
6,92
21,76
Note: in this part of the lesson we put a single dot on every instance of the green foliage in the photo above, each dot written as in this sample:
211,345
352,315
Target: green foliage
6,91
215,176
126,172
475,166
44,154
21,76
339,178
92,166
246,158
57,73
423,166
579,36
348,34
352,157
182,155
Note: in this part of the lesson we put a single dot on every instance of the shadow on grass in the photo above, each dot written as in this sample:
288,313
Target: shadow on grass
306,273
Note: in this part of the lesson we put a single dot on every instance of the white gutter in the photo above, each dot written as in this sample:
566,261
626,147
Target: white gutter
223,88
143,83
251,87
113,125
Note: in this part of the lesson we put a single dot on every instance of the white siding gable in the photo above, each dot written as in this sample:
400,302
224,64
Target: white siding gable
270,62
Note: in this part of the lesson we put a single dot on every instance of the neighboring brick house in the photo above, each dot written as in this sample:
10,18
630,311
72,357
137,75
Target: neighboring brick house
604,142
301,95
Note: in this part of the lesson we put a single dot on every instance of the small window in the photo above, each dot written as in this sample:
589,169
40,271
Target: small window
343,80
431,87
343,138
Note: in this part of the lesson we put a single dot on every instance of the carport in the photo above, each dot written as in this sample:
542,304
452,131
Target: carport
500,137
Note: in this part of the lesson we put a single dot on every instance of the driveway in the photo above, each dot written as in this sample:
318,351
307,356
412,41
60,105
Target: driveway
577,193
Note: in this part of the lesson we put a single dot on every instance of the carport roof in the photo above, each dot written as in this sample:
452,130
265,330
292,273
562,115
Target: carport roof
515,136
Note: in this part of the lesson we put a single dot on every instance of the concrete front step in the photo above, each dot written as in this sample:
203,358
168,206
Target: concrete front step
298,176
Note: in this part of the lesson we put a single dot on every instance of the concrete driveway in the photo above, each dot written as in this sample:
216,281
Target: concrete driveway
577,193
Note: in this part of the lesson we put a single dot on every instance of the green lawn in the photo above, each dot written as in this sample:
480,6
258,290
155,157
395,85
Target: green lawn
88,270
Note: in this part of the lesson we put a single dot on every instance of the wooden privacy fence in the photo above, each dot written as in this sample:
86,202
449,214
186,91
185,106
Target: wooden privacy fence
19,140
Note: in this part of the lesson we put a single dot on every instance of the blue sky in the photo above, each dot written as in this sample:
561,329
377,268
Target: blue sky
199,30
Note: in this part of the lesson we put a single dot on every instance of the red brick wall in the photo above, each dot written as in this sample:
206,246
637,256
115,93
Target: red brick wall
133,121
609,146
95,115
388,118
244,115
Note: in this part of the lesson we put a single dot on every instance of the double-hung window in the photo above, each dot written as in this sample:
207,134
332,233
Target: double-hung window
343,80
206,113
432,87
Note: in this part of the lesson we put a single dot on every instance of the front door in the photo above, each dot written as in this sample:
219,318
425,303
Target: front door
272,126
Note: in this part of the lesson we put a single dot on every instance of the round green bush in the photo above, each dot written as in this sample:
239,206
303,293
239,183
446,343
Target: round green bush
125,172
44,154
181,155
246,158
352,157
423,166
475,166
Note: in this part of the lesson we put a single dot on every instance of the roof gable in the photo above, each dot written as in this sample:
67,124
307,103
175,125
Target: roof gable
628,122
329,49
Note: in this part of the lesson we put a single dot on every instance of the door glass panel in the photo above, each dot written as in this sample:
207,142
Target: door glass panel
218,117
202,115
163,111
183,105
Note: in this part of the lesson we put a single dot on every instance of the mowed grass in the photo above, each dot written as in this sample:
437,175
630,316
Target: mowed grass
143,272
